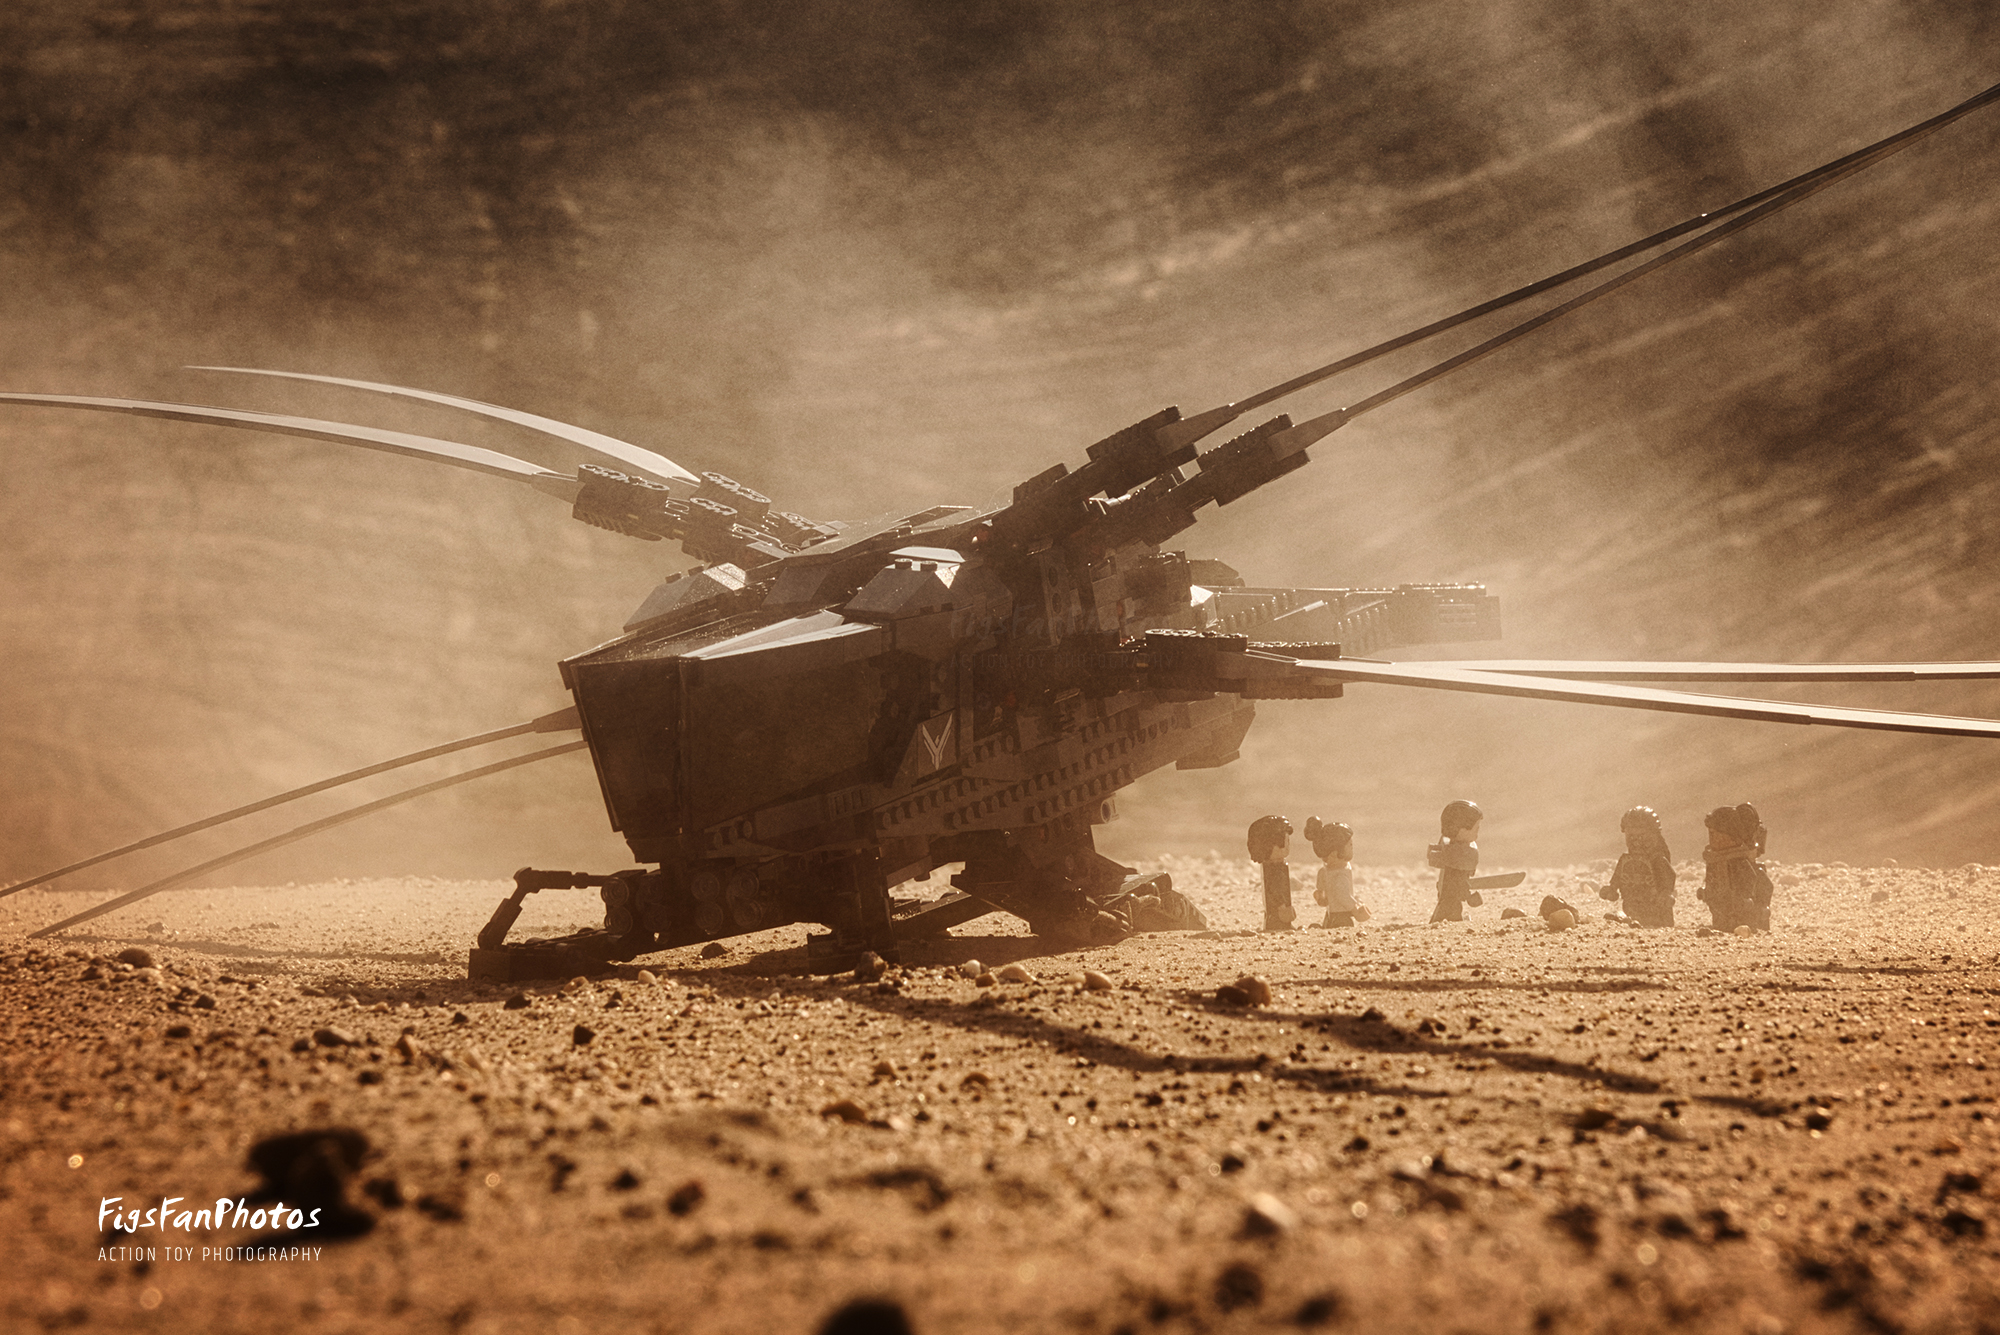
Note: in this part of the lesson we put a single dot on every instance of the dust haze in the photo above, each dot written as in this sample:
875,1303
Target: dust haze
876,255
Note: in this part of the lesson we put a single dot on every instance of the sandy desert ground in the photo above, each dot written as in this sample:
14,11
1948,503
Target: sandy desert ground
1478,1127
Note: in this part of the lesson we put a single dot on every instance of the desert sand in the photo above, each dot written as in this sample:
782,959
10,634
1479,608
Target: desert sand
1479,1127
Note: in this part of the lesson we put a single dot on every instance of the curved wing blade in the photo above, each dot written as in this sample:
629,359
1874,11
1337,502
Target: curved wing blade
311,428
1444,677
304,831
658,466
1616,670
563,720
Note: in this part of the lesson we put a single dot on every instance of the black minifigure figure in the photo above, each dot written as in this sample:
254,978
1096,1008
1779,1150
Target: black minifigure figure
1335,885
1736,889
1456,857
1644,876
1270,841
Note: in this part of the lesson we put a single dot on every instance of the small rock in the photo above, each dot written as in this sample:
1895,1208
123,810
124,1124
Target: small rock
575,985
386,1192
1322,1309
330,1037
614,1002
871,967
1745,929
1818,1119
627,1180
1561,920
204,1002
885,1070
1093,981
150,974
1014,973
409,1047
847,1110
976,1080
714,950
868,1316
137,956
985,980
1512,913
1231,995
581,1035
1240,1285
647,976
1255,988
1590,1119
178,1031
686,1198
971,969
1373,1014
92,974
460,1017
518,1002
1267,1217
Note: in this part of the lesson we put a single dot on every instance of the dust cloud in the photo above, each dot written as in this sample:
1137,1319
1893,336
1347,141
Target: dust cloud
878,251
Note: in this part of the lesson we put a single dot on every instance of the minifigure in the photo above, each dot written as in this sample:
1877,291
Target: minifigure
1736,889
1644,876
1335,846
1456,857
1270,841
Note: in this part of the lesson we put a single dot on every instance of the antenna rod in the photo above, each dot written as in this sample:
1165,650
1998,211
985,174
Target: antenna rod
563,720
303,831
1823,174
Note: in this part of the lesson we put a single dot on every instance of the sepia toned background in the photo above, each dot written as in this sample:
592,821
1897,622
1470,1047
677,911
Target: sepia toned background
898,254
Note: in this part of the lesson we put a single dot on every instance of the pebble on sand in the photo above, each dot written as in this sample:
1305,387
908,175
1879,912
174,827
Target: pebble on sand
1255,988
847,1110
1014,973
137,956
1267,1216
714,950
1093,981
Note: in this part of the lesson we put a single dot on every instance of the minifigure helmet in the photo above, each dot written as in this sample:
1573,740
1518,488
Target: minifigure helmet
1459,815
1740,823
1640,819
1266,833
1753,825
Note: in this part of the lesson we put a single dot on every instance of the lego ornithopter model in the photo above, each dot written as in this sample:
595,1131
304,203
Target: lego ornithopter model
823,711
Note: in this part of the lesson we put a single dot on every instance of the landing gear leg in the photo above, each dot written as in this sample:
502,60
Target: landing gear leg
858,912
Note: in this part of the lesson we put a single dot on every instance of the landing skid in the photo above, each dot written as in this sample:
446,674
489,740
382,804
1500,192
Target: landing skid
874,924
